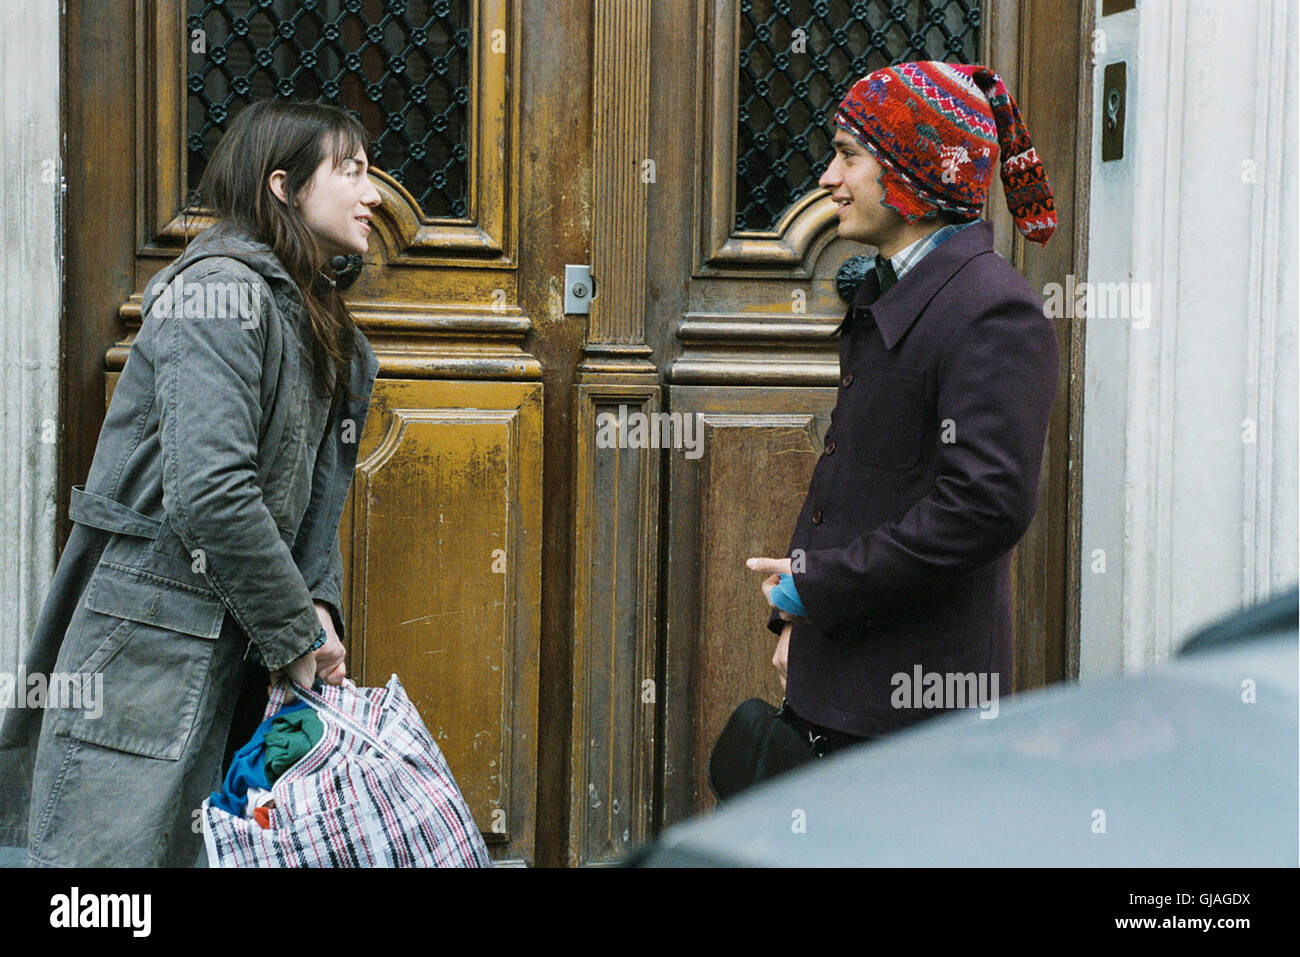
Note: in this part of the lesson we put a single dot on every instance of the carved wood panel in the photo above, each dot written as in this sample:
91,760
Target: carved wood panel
616,529
739,499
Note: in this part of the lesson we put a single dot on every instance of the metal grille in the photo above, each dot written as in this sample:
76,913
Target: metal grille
401,65
788,96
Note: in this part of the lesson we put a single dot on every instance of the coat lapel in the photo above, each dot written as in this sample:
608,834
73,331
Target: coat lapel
897,309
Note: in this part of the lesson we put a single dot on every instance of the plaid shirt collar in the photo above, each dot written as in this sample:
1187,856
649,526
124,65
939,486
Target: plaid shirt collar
905,259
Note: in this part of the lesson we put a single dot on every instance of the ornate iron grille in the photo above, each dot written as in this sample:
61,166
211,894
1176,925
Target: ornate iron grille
401,65
788,97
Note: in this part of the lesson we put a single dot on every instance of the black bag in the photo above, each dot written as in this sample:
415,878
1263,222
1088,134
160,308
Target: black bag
757,744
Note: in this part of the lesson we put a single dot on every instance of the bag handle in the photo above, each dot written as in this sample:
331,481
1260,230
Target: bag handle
280,691
275,701
319,704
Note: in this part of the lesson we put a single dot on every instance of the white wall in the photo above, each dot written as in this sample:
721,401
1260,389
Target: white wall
30,278
1190,417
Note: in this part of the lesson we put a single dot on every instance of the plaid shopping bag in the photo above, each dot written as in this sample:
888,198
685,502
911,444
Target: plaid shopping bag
375,791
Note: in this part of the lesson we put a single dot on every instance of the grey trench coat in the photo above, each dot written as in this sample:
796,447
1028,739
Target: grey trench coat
208,523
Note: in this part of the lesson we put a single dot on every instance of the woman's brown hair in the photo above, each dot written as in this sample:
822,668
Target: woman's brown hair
294,137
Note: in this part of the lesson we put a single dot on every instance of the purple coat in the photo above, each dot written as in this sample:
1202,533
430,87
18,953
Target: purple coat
929,477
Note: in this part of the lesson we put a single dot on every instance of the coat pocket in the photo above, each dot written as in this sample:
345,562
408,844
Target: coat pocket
140,657
885,417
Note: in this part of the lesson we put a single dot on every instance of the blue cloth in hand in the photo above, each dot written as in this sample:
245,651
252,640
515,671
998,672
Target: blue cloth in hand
246,768
786,597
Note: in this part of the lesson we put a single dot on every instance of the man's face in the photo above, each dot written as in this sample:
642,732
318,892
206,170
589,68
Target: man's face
853,181
337,204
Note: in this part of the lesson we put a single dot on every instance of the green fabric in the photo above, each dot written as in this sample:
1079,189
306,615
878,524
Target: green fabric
291,736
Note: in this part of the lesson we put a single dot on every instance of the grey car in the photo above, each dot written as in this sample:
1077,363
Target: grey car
1191,764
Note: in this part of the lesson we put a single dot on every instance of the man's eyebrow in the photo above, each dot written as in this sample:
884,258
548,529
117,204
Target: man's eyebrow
844,141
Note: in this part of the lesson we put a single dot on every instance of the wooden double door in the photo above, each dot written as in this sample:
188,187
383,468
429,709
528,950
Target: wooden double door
572,616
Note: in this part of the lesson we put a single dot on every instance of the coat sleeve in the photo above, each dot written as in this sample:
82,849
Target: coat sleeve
316,546
997,382
208,375
329,587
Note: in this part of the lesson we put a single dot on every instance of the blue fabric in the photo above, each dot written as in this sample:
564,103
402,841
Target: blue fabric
785,597
246,767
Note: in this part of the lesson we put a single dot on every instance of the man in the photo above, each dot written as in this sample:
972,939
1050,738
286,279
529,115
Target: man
900,559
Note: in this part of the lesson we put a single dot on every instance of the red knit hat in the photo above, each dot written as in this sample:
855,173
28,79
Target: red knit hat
935,128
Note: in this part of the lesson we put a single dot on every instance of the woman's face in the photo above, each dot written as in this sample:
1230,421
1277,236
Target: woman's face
337,203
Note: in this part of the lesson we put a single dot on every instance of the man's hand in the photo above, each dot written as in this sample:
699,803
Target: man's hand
777,567
781,657
331,665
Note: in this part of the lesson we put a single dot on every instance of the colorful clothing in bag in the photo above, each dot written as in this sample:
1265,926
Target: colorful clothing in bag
290,738
248,767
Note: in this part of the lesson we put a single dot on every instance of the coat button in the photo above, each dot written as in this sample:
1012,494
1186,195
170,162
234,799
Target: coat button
817,516
847,380
830,447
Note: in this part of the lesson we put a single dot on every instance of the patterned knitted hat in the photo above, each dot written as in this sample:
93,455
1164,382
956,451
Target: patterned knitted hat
934,128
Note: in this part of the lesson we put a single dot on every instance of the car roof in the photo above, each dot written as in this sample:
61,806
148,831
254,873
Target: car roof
1193,763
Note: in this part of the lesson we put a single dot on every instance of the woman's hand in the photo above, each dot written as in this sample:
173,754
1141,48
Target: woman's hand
327,662
302,670
331,664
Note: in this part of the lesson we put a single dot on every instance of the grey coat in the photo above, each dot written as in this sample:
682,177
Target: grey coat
209,522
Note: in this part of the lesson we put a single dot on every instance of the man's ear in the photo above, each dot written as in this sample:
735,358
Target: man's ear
276,182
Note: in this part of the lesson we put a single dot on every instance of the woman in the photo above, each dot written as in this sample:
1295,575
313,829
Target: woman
208,526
